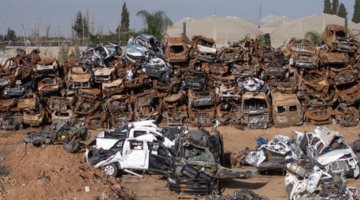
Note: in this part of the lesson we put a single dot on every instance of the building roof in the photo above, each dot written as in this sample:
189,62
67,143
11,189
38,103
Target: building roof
269,18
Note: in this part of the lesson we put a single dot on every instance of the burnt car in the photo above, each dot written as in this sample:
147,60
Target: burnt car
28,101
65,133
61,103
348,93
302,53
215,68
225,88
256,110
339,38
197,164
35,117
229,112
203,48
175,109
50,85
318,114
60,116
104,74
287,110
201,98
47,67
78,78
17,90
97,121
12,122
245,69
113,87
7,104
331,58
145,105
176,50
342,75
346,115
118,104
86,107
201,116
194,81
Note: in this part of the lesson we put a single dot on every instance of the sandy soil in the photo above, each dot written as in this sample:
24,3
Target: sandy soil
51,173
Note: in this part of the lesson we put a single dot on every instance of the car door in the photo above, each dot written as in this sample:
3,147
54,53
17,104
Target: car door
136,154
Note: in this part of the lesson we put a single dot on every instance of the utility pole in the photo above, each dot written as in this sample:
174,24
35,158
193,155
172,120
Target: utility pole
59,37
260,12
23,32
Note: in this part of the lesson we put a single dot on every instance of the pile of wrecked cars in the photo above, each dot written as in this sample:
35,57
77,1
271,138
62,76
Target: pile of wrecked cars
191,160
188,81
316,164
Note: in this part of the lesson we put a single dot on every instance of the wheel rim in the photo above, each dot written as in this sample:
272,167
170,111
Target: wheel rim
109,170
68,145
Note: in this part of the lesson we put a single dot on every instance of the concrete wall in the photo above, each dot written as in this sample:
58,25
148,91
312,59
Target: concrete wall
45,52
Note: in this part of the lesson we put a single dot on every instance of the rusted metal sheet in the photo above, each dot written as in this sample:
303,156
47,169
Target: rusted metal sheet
201,98
118,104
229,112
175,109
60,116
201,117
85,107
47,67
241,69
89,94
176,50
140,81
302,53
329,58
287,110
35,117
145,106
214,68
314,79
203,48
229,54
12,122
342,75
339,38
104,74
117,120
28,101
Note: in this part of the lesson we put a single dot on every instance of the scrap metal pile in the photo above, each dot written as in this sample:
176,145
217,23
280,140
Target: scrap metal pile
316,163
188,82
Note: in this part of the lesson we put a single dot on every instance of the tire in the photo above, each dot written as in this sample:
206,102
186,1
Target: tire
111,170
86,136
71,147
21,127
118,51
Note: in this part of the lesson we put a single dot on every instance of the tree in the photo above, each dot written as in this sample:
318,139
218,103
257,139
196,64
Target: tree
342,11
81,25
156,23
356,15
327,7
335,7
314,37
10,35
125,19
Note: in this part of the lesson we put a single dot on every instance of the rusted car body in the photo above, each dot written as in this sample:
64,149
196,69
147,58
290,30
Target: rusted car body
136,82
287,110
79,78
48,67
331,58
12,122
145,106
240,69
28,101
229,112
201,98
175,109
50,85
203,48
229,54
117,120
113,87
35,117
176,50
194,81
318,114
7,104
104,74
256,110
346,115
118,104
97,121
339,38
313,80
201,117
89,94
214,68
13,91
61,103
273,70
348,93
342,75
60,116
302,53
86,107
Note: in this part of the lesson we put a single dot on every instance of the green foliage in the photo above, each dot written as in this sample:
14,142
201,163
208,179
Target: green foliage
327,7
125,19
342,11
10,35
247,36
81,25
262,40
335,7
356,15
314,36
156,23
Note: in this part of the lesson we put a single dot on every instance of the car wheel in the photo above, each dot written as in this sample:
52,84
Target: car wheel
71,146
111,170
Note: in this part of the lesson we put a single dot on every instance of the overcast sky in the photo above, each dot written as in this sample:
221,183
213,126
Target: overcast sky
106,13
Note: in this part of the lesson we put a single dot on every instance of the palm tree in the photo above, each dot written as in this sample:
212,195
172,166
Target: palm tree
314,37
156,22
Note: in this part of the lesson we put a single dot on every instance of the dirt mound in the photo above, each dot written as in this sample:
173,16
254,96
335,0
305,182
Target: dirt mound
51,173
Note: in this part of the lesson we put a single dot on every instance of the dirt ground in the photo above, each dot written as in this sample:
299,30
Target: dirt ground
51,173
